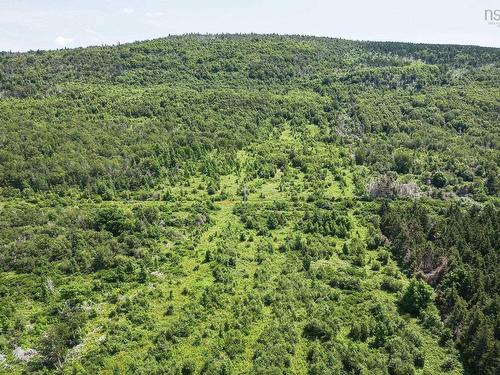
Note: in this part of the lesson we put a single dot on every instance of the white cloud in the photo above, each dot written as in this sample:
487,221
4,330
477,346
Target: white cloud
154,14
127,11
62,41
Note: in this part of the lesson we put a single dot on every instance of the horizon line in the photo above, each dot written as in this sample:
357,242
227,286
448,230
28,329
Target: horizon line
222,34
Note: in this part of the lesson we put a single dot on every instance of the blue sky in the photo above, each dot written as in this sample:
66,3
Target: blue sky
51,24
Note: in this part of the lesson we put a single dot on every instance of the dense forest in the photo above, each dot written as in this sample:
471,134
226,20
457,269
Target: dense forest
250,204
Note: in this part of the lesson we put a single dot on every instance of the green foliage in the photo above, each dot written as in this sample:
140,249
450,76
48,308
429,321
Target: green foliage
455,249
203,204
326,222
439,180
417,297
403,162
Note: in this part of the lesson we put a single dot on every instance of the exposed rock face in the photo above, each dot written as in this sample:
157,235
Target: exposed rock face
157,274
24,355
381,187
434,271
407,190
386,187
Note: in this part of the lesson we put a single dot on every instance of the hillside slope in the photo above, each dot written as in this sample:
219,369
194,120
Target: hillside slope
250,204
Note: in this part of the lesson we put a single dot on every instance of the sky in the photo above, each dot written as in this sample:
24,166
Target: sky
52,24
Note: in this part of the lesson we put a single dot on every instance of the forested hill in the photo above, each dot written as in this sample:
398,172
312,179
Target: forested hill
275,63
250,204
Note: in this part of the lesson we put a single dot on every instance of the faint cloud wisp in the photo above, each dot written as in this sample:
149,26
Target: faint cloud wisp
154,14
62,41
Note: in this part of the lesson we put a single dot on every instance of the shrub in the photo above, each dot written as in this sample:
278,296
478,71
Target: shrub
417,297
316,330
